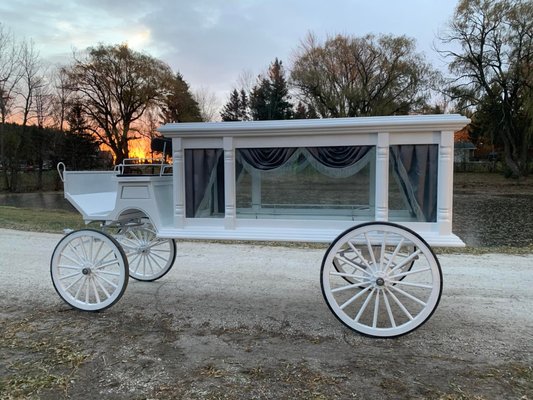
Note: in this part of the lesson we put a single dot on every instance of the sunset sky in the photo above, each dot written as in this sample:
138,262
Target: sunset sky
211,42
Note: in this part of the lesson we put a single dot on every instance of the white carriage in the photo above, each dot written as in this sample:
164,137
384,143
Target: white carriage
379,189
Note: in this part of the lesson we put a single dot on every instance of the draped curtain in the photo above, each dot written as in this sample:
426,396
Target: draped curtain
204,182
415,169
268,158
338,156
338,161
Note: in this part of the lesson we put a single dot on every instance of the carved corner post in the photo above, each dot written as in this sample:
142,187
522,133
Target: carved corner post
445,182
382,178
229,183
178,168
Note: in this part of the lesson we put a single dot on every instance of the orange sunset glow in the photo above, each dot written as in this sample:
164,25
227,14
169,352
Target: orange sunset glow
140,148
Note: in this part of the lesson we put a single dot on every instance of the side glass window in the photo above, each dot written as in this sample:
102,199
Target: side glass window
305,183
413,174
204,183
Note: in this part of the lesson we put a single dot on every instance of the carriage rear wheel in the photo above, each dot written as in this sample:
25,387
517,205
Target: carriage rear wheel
149,257
89,270
380,291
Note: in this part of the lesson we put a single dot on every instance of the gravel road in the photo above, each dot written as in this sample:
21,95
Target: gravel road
249,321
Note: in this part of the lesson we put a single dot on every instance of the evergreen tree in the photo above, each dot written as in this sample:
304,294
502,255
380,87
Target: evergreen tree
260,101
269,99
244,113
236,109
231,111
80,148
303,112
179,104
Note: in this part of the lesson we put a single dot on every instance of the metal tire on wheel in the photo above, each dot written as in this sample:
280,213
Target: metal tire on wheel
386,294
149,257
89,270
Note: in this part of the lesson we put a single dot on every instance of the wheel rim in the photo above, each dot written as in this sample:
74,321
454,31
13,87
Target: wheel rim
381,293
149,257
89,270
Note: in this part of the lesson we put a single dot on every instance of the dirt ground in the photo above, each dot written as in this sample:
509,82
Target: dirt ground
234,321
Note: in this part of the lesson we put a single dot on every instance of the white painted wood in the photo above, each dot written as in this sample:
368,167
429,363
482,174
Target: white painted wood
98,195
322,235
229,183
178,160
411,124
381,183
445,188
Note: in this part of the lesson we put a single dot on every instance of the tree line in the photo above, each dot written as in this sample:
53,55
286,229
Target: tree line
346,76
107,95
112,95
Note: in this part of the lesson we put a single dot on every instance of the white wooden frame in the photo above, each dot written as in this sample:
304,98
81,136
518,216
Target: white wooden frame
380,132
109,197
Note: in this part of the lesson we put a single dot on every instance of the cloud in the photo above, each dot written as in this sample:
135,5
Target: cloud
212,41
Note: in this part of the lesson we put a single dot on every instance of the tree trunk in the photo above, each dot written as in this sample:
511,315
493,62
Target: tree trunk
40,175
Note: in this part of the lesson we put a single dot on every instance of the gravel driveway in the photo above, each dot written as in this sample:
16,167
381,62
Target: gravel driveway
249,321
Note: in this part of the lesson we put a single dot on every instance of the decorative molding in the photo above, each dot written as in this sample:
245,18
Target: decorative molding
229,184
381,184
178,167
445,183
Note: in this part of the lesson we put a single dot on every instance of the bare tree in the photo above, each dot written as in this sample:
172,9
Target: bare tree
61,97
208,104
9,77
42,105
149,124
356,76
493,71
32,79
116,86
41,139
246,81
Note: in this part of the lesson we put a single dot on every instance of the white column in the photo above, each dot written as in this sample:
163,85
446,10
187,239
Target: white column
445,183
178,177
382,177
229,183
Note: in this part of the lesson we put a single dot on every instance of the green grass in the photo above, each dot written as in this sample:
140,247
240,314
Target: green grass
39,220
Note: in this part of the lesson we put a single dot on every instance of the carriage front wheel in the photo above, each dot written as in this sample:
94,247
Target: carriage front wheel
380,291
89,270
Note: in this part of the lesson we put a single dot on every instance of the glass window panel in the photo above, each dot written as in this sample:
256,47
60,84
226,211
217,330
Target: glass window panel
413,173
305,183
204,183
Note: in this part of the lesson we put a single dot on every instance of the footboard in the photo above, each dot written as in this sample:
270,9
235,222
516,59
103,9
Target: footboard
92,193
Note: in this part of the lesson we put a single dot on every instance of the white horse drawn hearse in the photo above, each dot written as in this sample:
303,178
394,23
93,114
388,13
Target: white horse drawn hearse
379,189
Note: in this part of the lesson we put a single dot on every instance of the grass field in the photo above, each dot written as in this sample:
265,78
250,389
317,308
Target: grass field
39,220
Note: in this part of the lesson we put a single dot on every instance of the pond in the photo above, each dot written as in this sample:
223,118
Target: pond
480,219
493,219
48,200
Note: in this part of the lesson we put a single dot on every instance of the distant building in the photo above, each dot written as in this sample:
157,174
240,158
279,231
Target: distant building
463,152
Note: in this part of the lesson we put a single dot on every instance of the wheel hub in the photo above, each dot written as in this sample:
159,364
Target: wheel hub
380,279
144,249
